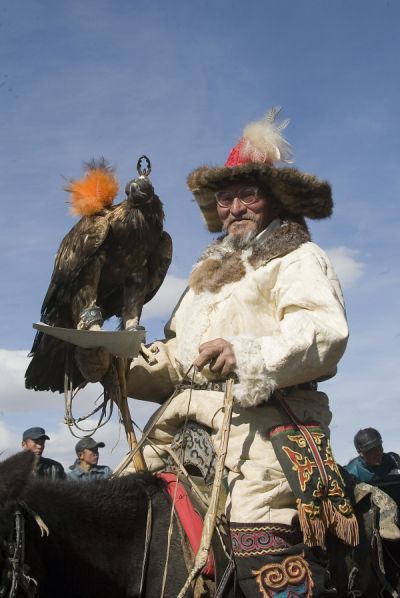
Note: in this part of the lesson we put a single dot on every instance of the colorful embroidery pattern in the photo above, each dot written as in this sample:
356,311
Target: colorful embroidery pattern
288,579
305,465
316,480
259,540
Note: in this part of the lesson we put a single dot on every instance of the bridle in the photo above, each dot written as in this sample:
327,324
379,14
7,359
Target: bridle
12,550
13,576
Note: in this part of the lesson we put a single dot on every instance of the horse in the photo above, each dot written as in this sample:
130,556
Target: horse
111,538
88,540
372,568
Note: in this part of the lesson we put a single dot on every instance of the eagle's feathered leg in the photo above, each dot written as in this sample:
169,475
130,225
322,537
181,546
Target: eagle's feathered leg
135,290
85,313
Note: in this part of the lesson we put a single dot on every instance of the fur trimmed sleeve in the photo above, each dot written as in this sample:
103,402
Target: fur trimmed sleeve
310,335
254,384
154,373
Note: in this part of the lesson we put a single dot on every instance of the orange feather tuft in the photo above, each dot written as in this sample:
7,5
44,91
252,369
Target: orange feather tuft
96,191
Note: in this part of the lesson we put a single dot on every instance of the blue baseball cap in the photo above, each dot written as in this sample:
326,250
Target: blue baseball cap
35,434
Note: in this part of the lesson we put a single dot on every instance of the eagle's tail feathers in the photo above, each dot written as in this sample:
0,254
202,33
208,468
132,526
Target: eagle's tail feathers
47,367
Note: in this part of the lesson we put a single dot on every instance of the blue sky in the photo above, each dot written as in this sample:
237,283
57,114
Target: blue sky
178,81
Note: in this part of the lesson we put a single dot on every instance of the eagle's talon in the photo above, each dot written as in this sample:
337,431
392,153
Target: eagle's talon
135,327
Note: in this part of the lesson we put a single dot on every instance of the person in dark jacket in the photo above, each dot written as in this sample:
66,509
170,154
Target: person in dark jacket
34,440
85,467
372,464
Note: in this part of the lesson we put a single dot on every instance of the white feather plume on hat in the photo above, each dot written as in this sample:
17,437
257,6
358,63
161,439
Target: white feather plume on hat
263,140
254,158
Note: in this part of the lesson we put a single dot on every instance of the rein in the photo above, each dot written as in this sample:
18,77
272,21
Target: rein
149,526
171,521
14,575
211,515
210,520
69,395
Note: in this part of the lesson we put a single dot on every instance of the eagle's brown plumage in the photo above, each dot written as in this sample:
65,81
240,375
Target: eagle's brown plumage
114,260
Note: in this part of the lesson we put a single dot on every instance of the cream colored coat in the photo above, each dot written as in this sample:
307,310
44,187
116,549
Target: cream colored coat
282,309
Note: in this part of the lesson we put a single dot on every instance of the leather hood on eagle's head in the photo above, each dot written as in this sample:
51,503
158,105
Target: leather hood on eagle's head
110,263
139,191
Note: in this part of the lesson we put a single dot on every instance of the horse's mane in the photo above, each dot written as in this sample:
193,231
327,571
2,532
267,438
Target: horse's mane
66,505
96,536
87,504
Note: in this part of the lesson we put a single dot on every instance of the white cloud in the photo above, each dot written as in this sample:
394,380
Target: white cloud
8,439
348,268
14,397
21,409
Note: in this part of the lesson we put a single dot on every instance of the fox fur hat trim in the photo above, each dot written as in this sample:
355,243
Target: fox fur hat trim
253,161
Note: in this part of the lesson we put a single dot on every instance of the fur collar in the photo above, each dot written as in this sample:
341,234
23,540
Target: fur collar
221,264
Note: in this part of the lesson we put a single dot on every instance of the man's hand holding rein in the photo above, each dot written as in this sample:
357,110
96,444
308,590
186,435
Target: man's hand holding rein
219,354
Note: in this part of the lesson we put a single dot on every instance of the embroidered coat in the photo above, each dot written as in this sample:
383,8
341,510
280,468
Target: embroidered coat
280,304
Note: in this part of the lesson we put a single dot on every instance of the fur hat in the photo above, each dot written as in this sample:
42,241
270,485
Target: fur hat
253,160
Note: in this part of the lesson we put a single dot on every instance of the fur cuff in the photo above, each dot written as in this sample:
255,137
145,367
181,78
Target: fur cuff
255,386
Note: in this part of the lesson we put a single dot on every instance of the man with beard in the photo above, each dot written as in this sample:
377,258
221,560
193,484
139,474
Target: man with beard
263,305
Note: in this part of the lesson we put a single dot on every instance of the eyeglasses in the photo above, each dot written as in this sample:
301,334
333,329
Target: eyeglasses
247,196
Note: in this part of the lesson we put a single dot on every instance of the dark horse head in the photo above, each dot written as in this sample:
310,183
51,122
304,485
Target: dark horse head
110,538
96,538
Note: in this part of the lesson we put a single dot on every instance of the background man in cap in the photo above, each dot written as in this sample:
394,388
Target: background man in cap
34,440
264,305
372,464
85,467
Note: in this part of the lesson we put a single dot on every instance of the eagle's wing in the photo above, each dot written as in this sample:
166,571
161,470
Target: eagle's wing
76,249
158,264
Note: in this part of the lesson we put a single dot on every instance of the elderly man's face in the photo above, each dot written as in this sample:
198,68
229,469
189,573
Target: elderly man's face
243,208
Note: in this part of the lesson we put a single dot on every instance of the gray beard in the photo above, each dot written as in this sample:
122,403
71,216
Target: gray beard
235,242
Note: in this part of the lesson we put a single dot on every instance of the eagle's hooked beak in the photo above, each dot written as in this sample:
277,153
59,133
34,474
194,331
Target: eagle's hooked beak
140,188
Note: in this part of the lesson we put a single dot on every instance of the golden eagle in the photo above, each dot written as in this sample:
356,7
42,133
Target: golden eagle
109,264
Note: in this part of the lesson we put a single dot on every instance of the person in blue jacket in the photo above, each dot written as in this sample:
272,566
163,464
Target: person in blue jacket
85,467
372,464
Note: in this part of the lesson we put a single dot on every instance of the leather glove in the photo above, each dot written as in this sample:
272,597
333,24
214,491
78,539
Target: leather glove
92,363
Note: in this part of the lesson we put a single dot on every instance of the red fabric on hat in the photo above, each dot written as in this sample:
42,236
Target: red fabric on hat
237,158
190,519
